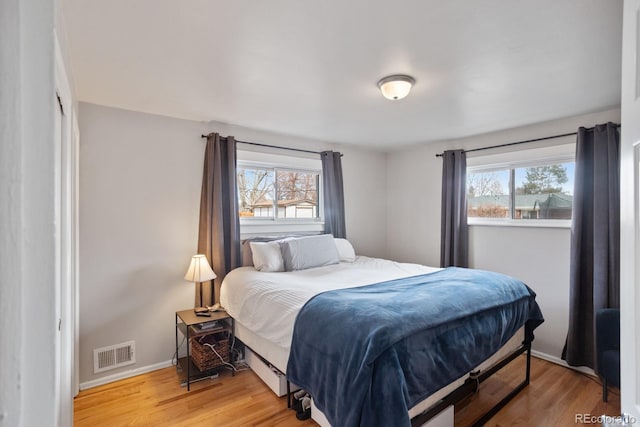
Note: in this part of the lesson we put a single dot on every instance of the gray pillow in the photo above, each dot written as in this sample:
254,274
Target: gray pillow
247,255
309,252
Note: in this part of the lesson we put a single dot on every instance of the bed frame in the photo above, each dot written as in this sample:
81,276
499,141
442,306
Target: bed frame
469,387
472,384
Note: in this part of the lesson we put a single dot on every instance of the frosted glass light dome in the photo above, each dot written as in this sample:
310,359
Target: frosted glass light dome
396,87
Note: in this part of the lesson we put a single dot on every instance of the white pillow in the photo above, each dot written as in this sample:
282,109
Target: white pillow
267,256
345,250
309,252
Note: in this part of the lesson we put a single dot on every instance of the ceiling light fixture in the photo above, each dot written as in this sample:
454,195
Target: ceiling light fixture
396,87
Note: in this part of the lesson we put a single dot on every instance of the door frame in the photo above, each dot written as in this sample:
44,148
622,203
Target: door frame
66,183
630,214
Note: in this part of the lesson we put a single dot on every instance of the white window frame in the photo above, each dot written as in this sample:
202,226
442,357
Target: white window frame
250,227
561,153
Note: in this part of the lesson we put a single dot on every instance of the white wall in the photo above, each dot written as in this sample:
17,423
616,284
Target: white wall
139,201
10,215
538,256
140,180
27,213
365,199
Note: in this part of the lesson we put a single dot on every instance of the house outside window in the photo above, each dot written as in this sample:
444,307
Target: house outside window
286,209
530,187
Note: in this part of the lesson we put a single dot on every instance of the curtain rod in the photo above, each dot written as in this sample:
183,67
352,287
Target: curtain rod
275,146
519,142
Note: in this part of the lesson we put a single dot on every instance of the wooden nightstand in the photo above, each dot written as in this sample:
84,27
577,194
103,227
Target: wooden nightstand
195,327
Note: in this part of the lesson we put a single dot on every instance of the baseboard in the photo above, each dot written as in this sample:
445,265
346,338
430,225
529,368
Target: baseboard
558,361
125,374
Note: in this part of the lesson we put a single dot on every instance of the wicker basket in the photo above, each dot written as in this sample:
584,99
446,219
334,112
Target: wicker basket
203,356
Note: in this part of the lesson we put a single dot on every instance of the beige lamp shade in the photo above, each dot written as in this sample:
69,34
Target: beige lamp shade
199,270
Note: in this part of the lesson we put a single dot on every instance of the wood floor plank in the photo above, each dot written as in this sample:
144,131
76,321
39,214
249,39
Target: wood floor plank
553,398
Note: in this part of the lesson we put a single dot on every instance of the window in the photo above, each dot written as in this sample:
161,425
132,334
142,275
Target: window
278,193
517,190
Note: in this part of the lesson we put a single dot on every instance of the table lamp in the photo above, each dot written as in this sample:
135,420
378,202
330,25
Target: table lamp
200,271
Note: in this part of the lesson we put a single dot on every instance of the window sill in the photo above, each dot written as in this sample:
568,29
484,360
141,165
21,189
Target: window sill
254,228
271,221
531,223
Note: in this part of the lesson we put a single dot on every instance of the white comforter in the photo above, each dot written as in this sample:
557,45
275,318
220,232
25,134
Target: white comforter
268,303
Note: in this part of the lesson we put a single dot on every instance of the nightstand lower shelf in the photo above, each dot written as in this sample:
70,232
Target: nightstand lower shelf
196,374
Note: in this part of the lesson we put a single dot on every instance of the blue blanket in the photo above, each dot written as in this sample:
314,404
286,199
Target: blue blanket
370,353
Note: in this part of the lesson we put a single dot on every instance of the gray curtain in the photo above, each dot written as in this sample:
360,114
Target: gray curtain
334,222
219,233
595,239
454,234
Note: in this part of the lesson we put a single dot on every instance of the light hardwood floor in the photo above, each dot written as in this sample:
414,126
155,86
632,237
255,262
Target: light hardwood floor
553,398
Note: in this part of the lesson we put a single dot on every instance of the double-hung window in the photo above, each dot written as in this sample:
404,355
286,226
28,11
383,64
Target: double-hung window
528,187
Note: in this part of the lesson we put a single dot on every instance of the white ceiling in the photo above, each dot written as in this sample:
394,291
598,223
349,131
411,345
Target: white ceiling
310,68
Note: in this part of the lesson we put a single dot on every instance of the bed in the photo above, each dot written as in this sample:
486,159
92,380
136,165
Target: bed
265,306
